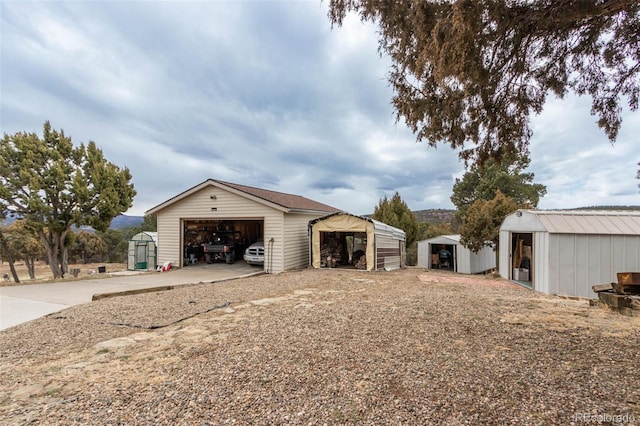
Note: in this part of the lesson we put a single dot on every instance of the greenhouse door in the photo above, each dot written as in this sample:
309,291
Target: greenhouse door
141,255
131,256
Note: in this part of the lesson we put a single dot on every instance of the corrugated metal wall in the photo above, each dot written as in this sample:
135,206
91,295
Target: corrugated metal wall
578,262
424,254
388,252
568,263
467,262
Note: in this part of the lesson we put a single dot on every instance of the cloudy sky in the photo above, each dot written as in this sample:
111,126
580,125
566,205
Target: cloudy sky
266,94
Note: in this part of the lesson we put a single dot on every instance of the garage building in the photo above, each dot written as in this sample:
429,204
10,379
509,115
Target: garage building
567,252
355,241
188,220
462,259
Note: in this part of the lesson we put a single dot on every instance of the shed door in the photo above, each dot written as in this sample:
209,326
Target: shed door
152,255
131,256
522,258
141,252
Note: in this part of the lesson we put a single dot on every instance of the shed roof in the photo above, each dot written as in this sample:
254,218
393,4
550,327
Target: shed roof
284,201
444,239
585,221
145,236
377,225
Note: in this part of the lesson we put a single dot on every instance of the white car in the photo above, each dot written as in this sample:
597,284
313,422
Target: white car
254,254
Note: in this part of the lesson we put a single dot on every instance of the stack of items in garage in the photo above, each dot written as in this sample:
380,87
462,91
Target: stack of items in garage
360,261
330,251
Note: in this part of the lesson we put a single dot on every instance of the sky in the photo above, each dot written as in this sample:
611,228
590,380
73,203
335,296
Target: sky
265,94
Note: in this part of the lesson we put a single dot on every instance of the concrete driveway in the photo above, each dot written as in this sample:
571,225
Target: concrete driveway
22,303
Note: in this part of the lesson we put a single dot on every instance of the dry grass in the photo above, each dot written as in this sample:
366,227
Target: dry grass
325,347
43,272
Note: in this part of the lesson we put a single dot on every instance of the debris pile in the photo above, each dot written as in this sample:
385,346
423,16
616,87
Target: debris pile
624,295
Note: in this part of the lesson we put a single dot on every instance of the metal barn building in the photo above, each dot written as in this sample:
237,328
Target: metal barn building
187,220
463,261
350,237
567,252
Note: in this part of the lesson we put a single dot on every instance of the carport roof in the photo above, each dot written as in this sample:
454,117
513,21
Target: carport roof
288,202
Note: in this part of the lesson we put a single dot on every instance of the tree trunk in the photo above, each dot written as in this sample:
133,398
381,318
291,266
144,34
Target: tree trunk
9,256
31,267
64,261
52,249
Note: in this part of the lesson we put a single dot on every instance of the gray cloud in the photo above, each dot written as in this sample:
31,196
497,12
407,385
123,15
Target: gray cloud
263,94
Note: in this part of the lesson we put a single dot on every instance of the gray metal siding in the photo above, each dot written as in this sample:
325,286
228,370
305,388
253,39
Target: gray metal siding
467,262
540,270
578,262
424,254
482,261
463,259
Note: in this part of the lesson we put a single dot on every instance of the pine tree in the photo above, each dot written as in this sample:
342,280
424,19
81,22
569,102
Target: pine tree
53,185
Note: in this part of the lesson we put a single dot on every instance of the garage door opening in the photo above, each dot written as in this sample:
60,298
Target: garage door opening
443,256
343,250
210,241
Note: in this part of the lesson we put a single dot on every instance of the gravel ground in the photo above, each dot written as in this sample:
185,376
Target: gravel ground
325,347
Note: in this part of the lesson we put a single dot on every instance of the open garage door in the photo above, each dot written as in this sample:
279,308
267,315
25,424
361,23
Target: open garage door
234,236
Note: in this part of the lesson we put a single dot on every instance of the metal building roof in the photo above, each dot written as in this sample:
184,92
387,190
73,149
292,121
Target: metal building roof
444,239
379,227
589,221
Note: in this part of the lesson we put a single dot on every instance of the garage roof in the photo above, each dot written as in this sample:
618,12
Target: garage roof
288,202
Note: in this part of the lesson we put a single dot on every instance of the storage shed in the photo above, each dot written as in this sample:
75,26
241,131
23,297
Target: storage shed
462,259
190,219
142,252
345,240
567,252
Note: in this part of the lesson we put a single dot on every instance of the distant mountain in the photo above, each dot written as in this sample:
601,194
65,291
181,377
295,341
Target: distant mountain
124,221
434,216
119,222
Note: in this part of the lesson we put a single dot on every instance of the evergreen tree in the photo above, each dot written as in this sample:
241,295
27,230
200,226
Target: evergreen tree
53,185
469,73
88,247
395,212
25,244
116,245
483,181
483,220
8,255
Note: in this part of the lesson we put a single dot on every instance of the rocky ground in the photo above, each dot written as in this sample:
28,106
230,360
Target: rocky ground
325,347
